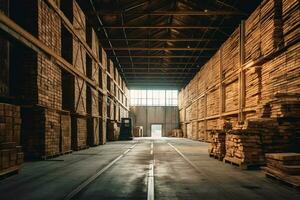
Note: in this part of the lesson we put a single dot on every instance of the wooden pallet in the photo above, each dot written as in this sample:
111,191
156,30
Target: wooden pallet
292,181
242,165
9,172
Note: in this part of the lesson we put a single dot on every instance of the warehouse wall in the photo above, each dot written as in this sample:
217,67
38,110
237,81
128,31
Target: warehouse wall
259,60
147,115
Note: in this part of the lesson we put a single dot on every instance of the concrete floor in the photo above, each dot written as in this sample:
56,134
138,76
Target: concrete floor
120,170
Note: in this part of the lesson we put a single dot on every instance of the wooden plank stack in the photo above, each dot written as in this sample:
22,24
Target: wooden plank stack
284,167
291,20
65,129
11,155
231,96
217,146
175,133
202,135
243,148
253,87
138,131
113,130
270,26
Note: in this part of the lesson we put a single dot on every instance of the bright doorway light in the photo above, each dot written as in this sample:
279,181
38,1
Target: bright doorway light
156,130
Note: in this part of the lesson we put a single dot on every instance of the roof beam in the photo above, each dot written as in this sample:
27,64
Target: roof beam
165,39
126,69
176,13
159,49
157,63
155,56
159,78
166,27
155,82
159,73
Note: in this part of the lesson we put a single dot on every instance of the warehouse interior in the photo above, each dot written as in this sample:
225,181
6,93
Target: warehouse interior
149,99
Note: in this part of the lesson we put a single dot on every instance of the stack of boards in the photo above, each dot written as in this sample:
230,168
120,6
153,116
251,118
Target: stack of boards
217,145
284,167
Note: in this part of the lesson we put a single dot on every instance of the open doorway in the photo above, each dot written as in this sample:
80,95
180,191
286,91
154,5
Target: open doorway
156,130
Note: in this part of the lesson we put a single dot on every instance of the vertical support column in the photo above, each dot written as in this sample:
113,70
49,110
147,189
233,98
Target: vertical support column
104,99
242,74
221,92
205,114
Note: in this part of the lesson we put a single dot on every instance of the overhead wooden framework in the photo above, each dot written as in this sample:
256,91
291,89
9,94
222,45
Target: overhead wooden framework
157,56
158,49
165,27
174,13
168,39
164,39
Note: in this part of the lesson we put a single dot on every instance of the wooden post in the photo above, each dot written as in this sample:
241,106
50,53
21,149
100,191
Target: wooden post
242,73
221,94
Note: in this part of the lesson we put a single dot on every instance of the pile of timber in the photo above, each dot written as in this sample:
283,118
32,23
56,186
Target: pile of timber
217,146
113,130
291,20
263,30
138,131
176,133
11,155
284,167
273,135
243,148
285,105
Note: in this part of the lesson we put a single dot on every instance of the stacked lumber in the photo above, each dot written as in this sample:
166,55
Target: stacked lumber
243,148
285,105
183,127
273,135
93,131
176,133
270,26
79,132
193,112
231,56
11,155
188,113
213,107
113,130
138,131
194,130
201,108
217,146
65,129
284,167
41,132
291,20
231,96
252,36
189,131
202,136
253,87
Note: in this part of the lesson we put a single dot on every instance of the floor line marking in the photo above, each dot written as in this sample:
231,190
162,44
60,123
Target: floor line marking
218,185
78,189
185,158
150,193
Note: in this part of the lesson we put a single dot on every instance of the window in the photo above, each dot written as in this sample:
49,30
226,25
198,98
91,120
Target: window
153,97
171,98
